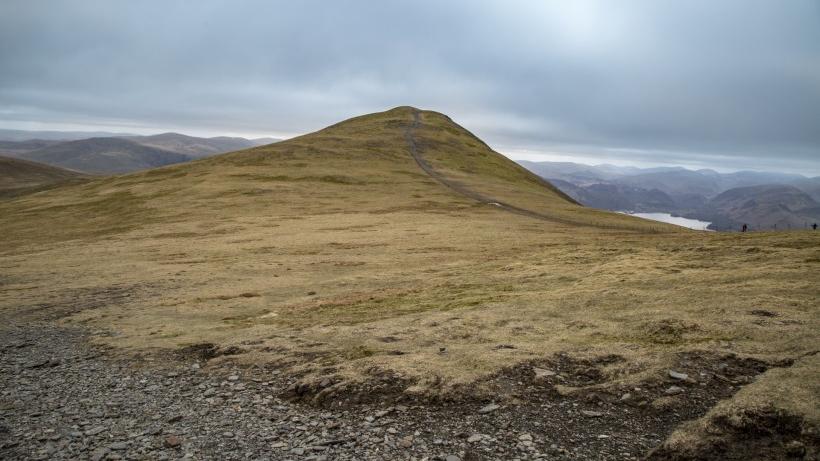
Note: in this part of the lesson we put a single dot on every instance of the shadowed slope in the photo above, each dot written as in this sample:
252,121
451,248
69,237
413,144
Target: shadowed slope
192,146
104,155
19,176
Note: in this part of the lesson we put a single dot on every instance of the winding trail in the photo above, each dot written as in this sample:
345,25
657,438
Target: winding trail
464,190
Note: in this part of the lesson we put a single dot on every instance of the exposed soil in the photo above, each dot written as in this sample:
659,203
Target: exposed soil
63,398
765,434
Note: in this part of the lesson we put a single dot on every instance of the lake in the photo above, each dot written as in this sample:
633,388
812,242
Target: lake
668,218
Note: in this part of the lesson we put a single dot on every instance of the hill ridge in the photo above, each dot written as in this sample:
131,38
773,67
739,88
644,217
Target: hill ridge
21,176
465,191
104,155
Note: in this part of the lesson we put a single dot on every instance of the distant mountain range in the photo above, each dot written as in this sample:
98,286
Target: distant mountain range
104,155
762,200
120,153
197,147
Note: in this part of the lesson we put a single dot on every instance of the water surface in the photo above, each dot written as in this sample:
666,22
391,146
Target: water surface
668,218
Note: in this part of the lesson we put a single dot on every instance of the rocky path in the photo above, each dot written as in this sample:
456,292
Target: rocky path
61,398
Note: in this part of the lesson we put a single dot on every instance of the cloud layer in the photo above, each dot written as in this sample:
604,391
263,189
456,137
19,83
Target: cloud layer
731,84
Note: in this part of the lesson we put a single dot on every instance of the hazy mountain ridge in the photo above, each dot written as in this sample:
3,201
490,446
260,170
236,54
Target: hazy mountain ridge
15,148
119,153
192,146
764,200
104,156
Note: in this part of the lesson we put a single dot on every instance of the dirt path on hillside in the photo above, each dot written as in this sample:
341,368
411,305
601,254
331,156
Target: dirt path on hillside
464,190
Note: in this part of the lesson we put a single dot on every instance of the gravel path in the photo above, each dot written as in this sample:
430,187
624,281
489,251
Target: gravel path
62,398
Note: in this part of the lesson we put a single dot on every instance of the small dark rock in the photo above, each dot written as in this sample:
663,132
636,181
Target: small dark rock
795,449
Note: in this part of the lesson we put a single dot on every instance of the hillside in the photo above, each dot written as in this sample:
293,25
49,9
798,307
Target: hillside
193,147
395,259
810,186
17,148
22,176
766,207
104,156
618,197
121,154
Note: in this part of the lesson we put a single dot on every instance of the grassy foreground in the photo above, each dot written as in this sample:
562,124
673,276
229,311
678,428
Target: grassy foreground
335,255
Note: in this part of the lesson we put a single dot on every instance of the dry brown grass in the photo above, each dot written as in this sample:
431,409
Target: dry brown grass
315,250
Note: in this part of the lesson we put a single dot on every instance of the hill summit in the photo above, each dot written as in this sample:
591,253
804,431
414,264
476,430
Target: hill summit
404,159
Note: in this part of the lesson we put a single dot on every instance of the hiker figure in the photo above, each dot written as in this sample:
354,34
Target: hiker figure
743,229
814,226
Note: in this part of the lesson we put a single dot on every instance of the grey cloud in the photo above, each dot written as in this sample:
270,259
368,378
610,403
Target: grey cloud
737,81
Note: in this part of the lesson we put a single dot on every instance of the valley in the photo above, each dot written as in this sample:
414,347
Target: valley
763,201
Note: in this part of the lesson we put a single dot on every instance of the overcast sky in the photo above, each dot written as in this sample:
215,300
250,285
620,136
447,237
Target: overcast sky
728,84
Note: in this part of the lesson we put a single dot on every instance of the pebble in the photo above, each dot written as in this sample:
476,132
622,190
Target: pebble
118,446
543,373
489,408
99,454
677,375
95,431
591,414
475,438
673,390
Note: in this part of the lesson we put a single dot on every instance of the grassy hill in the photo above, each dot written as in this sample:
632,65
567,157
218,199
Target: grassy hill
17,148
18,176
123,154
104,155
767,207
192,146
396,251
